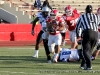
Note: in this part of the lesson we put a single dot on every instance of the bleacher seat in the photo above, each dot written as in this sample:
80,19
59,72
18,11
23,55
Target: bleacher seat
58,4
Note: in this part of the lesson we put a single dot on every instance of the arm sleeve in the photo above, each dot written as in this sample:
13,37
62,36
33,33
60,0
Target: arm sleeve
34,22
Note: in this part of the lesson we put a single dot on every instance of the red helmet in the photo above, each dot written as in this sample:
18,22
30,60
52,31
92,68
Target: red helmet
98,11
54,13
68,10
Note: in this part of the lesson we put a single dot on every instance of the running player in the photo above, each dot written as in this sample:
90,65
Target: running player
55,24
71,16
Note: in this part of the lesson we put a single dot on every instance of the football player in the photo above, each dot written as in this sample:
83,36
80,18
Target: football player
71,16
69,55
41,17
55,24
97,51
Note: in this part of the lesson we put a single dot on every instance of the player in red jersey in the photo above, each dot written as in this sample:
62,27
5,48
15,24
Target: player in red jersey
55,24
71,16
97,51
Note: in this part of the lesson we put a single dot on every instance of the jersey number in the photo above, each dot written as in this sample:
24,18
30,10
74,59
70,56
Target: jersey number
72,22
66,53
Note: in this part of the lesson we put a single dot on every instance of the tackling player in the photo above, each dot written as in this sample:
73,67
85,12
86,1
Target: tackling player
41,17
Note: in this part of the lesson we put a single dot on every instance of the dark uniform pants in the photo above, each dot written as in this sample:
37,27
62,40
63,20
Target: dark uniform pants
45,43
89,39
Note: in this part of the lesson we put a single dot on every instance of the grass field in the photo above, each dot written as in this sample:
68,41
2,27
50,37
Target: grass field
19,61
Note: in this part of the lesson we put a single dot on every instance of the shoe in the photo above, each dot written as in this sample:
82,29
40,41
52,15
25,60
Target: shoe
49,57
64,43
49,61
81,67
35,56
55,59
88,68
92,58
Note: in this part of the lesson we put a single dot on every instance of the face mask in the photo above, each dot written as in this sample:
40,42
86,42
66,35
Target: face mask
68,13
45,14
53,16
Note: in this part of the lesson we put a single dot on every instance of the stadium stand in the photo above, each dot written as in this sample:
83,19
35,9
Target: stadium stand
56,4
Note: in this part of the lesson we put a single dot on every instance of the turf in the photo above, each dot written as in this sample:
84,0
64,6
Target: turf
19,61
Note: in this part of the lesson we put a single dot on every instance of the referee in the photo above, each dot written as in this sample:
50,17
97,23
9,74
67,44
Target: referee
89,24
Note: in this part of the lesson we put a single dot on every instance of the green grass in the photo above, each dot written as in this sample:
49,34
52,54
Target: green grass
19,61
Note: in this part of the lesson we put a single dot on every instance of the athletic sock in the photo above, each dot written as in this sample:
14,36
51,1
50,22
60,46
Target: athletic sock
56,55
36,51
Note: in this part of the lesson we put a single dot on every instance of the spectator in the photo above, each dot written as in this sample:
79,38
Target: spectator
46,3
37,4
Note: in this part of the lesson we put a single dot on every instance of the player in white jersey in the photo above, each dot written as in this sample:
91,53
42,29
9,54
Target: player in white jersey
41,17
70,55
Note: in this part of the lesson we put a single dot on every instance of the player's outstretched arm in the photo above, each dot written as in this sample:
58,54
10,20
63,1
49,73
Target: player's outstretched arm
33,25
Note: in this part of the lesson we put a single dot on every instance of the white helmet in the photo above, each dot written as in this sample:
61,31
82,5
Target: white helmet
45,9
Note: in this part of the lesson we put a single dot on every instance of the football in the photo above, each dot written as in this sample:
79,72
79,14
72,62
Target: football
54,22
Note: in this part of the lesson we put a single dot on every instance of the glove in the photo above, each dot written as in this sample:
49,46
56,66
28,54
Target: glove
32,32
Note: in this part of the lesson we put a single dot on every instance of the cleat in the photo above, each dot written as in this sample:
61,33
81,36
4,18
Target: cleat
49,61
35,56
88,68
81,67
55,59
92,58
